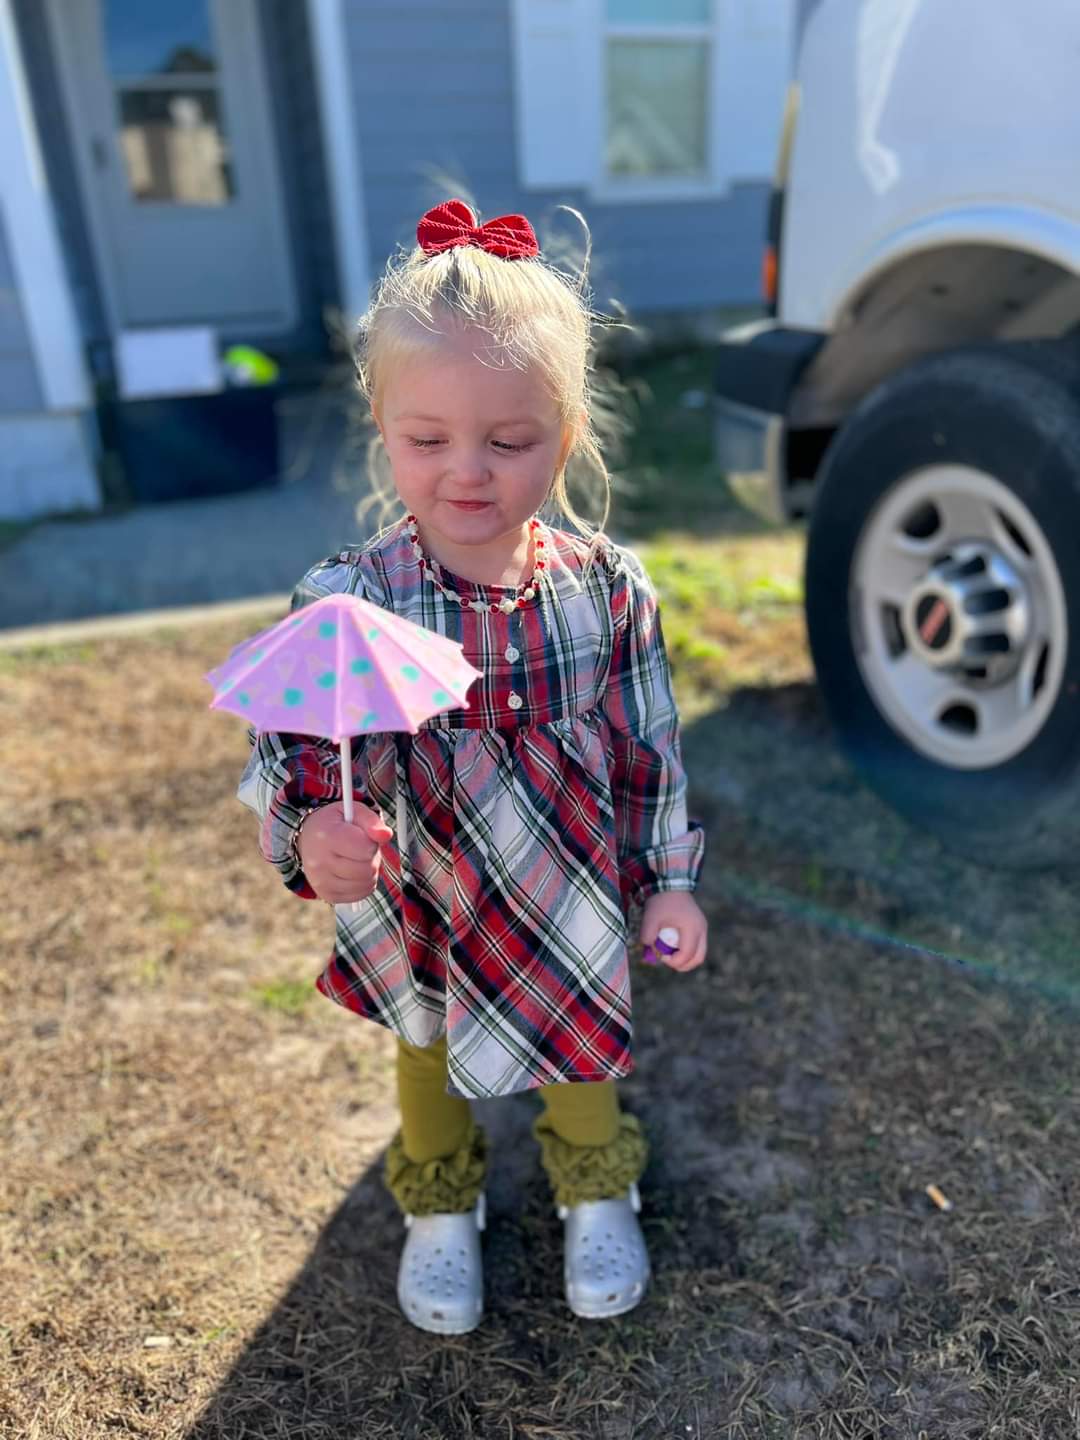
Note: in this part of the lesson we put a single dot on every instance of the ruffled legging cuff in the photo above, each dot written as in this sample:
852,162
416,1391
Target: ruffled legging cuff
448,1185
592,1172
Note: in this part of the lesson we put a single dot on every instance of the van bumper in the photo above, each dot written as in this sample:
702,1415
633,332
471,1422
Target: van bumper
757,368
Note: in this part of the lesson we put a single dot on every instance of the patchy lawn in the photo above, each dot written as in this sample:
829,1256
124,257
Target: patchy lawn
194,1237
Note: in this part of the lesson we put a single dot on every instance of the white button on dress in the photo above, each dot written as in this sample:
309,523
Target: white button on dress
514,701
512,654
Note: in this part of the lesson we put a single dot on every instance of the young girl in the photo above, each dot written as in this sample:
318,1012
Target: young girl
543,820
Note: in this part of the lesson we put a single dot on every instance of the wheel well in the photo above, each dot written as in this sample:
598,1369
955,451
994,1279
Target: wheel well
936,300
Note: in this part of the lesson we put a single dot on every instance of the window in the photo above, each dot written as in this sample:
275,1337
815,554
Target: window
164,75
646,100
656,72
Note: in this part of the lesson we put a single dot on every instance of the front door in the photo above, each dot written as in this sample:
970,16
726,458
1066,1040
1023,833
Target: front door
171,121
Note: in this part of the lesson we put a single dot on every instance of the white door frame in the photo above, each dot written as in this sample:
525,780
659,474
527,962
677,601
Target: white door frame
40,278
90,191
344,168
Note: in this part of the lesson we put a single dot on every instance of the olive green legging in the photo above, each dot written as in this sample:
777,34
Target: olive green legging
590,1148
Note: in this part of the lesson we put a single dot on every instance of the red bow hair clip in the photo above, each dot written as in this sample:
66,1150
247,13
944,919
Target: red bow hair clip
453,223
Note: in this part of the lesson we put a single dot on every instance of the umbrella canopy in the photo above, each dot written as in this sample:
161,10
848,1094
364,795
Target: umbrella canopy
343,667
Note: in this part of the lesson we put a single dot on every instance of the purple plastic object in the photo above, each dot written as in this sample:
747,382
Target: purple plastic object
651,954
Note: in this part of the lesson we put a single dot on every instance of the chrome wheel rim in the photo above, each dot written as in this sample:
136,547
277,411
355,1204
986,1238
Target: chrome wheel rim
958,616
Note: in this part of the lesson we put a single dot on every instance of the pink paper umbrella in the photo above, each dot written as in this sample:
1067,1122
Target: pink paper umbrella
343,667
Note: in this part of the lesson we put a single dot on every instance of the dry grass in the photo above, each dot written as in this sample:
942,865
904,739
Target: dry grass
194,1238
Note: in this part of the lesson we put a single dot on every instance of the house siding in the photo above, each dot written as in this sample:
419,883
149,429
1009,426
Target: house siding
20,389
444,124
295,104
803,11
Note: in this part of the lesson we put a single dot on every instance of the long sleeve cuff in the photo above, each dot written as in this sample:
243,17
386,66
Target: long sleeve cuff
276,842
286,777
674,865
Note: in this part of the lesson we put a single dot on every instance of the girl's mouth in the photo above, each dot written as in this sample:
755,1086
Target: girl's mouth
469,504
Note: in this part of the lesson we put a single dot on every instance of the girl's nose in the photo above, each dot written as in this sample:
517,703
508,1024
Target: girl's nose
472,468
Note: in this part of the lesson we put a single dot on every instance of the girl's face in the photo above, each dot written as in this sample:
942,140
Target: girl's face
473,448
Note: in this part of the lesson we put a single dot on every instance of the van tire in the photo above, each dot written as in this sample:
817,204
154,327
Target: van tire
1012,412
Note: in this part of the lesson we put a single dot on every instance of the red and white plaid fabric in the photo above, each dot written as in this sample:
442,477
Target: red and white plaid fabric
533,831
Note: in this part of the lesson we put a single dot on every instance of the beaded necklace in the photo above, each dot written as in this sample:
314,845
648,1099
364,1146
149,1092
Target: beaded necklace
523,594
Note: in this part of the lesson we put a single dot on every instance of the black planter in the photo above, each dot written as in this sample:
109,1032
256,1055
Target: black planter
188,447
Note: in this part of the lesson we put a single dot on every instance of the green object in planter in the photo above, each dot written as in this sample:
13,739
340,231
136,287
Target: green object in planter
245,365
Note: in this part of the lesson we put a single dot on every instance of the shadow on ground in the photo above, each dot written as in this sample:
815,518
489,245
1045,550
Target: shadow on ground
792,828
800,1092
337,1358
190,1254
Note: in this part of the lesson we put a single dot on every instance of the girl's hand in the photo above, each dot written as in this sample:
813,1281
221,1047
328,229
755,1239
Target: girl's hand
679,911
341,861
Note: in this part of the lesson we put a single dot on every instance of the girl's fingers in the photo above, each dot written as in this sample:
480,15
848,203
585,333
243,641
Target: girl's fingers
699,959
366,851
689,959
343,872
348,875
341,894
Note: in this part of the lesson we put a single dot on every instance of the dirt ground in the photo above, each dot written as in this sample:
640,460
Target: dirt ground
194,1238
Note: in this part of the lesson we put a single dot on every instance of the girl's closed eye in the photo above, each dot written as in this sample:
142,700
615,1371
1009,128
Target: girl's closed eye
507,447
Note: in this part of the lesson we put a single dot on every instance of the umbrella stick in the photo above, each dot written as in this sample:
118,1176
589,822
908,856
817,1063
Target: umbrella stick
401,834
346,779
347,799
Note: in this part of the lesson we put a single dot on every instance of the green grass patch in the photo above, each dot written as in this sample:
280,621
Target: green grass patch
696,577
151,970
667,476
34,656
176,923
287,997
731,608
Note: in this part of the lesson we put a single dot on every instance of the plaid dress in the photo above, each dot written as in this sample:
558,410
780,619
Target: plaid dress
538,820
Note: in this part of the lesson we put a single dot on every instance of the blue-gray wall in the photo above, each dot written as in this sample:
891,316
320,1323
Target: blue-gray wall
436,111
803,11
19,387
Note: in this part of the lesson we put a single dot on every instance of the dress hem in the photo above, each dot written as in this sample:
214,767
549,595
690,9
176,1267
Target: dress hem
588,1077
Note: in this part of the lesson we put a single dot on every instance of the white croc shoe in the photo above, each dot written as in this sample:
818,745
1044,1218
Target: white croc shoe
606,1266
441,1275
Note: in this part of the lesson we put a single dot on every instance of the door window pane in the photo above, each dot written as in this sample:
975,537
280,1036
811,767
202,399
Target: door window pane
660,12
173,146
656,108
158,37
171,134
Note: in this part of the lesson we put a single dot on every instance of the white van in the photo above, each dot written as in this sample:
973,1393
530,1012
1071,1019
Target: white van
917,394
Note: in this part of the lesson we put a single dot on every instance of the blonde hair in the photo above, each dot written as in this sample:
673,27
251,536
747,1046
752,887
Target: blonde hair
533,313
